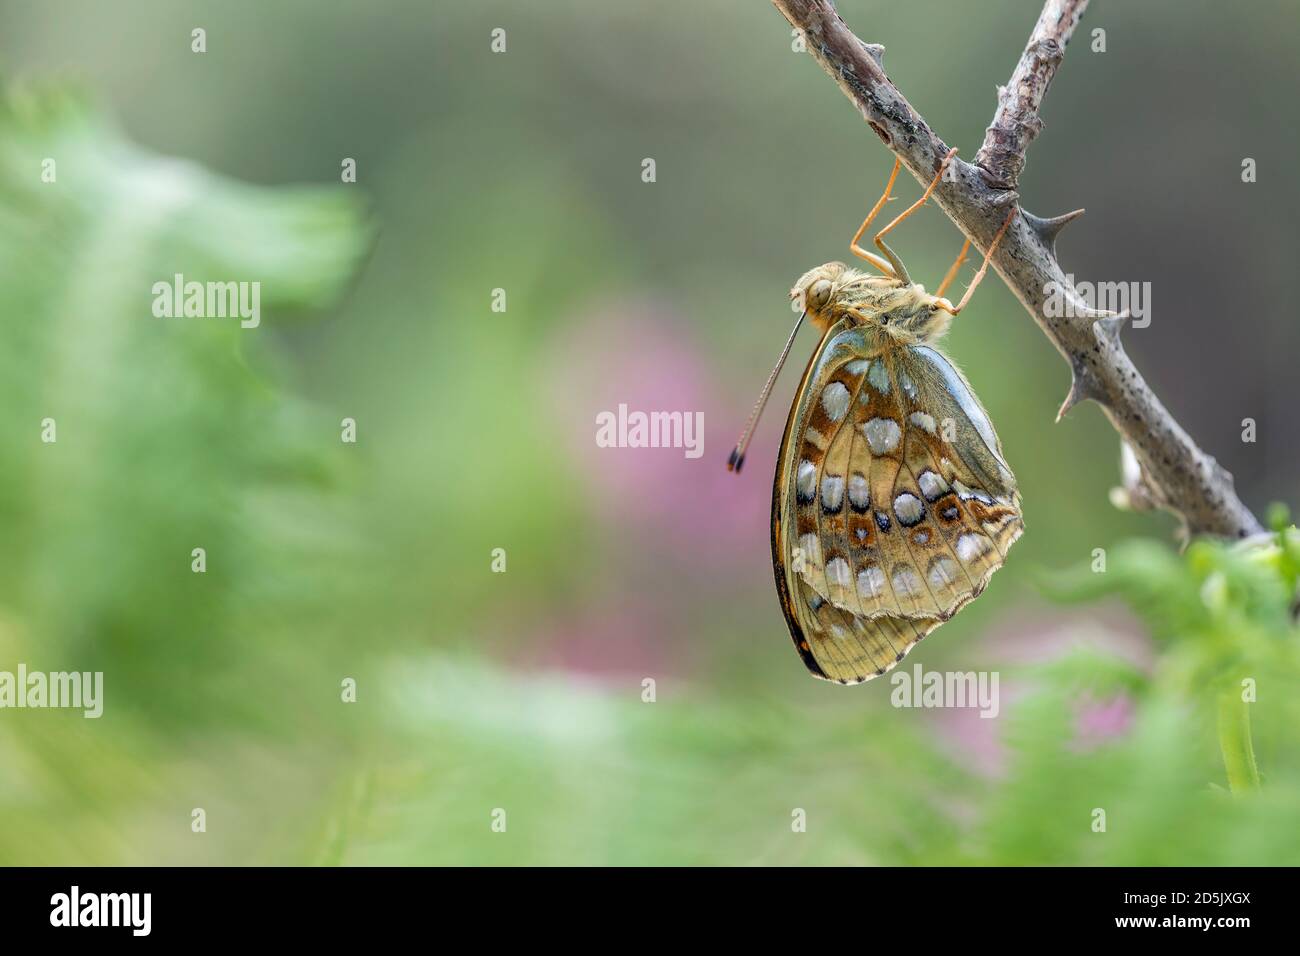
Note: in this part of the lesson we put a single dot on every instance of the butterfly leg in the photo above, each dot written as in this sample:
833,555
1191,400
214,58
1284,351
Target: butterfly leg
881,264
898,268
952,270
947,306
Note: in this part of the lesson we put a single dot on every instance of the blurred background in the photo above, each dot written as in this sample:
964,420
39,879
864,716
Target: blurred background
522,691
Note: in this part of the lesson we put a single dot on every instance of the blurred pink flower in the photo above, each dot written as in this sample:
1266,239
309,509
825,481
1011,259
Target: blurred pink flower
615,643
690,509
975,742
1098,721
1027,636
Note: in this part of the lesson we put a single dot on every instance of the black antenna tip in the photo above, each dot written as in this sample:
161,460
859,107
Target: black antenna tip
736,461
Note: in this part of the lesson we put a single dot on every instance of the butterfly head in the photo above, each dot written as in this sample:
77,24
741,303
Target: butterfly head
833,291
819,290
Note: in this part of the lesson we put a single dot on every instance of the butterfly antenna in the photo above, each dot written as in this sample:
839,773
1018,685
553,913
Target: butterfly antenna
737,458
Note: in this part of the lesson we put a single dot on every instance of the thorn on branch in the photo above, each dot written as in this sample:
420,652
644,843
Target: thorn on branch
1107,329
1048,229
1082,386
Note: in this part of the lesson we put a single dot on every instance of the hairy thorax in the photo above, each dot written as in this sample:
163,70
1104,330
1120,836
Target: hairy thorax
904,313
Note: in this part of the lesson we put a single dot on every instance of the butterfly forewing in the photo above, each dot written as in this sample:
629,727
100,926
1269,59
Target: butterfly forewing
892,504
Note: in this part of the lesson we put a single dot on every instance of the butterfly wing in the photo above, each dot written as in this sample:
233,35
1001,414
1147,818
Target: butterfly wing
892,504
953,485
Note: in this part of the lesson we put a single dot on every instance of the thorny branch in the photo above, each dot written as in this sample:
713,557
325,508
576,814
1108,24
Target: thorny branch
1173,472
1016,122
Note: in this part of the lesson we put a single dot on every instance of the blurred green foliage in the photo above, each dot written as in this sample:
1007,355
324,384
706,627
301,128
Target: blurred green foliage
170,435
600,779
1224,617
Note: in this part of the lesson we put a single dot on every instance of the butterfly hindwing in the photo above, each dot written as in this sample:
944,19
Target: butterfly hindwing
892,505
954,480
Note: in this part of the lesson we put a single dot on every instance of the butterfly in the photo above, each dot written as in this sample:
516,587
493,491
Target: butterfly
892,503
